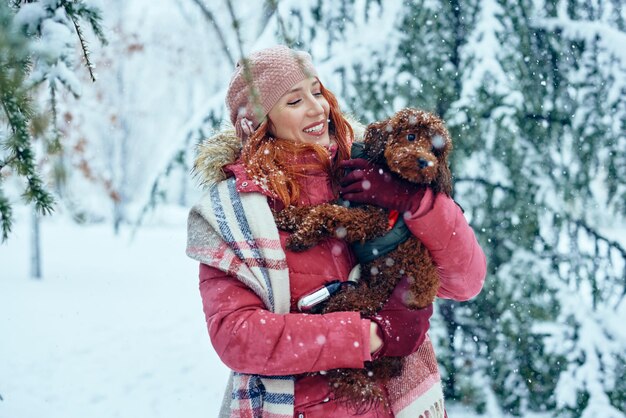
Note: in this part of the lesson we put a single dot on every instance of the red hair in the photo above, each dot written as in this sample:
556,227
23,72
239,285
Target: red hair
270,160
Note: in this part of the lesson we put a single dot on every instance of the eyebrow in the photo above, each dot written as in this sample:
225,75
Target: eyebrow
315,83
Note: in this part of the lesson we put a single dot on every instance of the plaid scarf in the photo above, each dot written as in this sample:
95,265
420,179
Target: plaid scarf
220,235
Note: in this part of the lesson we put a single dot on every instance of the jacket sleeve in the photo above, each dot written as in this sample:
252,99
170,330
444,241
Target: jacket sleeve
440,225
250,339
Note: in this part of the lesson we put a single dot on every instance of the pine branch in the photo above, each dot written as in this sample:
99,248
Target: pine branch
580,223
550,117
273,5
6,216
36,193
247,71
83,44
75,10
587,30
78,9
19,146
55,143
486,183
610,243
235,25
211,18
7,162
599,237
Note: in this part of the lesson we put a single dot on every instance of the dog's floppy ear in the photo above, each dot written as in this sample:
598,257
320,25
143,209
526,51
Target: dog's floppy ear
442,145
443,179
375,140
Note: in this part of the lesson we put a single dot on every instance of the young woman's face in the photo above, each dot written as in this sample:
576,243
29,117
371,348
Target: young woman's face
301,114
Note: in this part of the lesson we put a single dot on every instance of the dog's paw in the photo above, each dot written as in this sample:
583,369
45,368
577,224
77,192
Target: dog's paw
297,246
286,220
301,241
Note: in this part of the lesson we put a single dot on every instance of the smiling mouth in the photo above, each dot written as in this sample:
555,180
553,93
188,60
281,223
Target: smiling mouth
316,129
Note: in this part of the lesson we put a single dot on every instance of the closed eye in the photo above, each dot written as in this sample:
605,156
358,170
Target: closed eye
295,102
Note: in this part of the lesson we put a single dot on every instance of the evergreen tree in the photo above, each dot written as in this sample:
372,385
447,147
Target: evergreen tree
539,198
536,165
532,92
17,107
36,47
430,65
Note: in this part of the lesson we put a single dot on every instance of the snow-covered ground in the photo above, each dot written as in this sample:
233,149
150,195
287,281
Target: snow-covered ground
114,329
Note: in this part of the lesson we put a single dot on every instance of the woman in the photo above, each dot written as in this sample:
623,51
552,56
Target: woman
289,142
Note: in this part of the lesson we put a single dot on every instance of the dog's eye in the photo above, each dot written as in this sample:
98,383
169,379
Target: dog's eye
410,137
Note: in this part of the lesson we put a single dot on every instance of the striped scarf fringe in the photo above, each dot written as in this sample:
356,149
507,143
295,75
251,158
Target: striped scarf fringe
256,396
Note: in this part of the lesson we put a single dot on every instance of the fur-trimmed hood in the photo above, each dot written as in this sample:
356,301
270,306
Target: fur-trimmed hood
213,153
224,147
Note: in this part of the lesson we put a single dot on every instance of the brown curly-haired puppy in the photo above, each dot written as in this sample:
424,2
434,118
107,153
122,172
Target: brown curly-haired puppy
310,224
414,145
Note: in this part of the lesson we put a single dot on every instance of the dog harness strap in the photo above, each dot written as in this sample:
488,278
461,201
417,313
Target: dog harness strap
381,246
358,150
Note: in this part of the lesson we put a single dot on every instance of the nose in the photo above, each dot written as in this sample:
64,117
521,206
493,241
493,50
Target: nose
422,163
315,107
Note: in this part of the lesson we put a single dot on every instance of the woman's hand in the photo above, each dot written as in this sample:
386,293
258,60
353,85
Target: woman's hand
376,337
402,329
371,184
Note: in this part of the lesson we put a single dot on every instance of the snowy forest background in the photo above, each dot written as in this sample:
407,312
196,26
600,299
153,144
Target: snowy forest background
533,93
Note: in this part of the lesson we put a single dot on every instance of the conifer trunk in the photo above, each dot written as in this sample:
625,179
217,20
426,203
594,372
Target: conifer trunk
35,246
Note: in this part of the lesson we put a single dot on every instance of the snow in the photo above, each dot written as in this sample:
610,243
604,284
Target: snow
484,48
114,329
30,15
612,54
611,38
54,45
56,38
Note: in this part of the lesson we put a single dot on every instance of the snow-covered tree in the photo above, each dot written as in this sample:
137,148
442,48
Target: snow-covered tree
130,138
37,43
543,191
533,95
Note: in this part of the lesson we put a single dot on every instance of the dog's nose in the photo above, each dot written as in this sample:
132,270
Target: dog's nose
422,162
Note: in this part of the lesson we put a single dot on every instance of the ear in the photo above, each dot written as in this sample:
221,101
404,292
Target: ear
437,129
443,180
375,140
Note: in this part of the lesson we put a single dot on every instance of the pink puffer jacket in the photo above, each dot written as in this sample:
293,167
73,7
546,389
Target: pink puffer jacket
250,339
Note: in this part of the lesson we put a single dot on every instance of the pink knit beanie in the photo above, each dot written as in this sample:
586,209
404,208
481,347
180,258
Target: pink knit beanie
273,71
